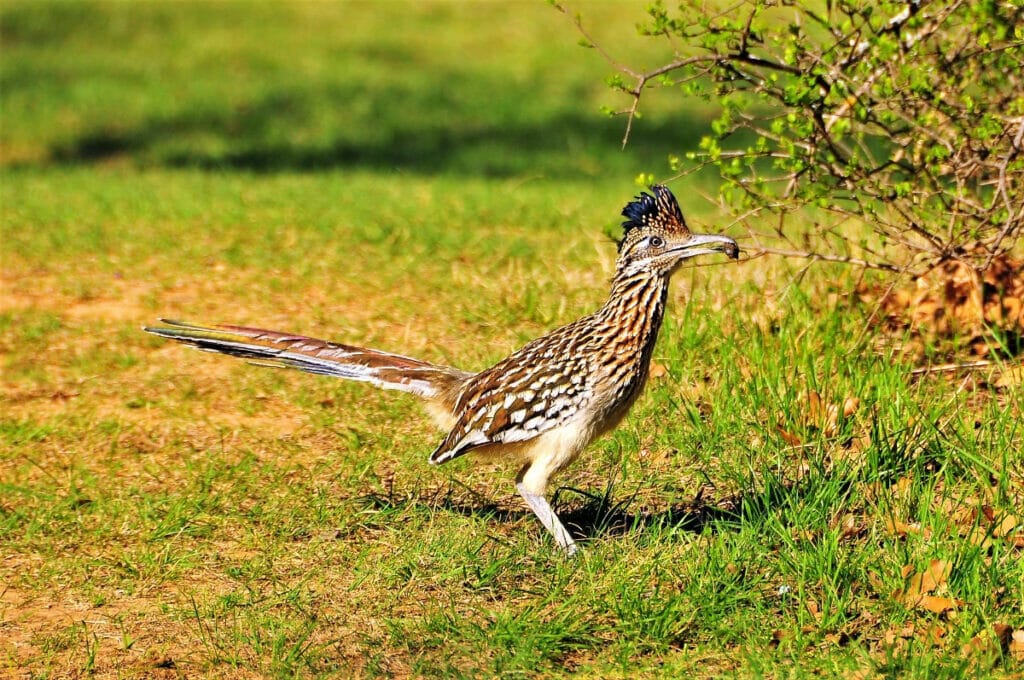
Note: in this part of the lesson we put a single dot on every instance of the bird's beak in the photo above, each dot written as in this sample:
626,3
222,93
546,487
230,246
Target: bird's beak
705,244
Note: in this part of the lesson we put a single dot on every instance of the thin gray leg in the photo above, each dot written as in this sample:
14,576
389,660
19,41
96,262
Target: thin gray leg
547,517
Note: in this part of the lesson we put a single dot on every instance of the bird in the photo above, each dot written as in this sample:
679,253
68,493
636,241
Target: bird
542,405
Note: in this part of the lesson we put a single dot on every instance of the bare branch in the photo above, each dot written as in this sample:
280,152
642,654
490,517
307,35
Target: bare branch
576,21
826,257
1013,223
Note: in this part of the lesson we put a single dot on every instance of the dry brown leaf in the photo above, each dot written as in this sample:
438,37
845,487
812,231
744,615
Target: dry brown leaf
1000,525
826,416
917,593
979,644
1014,309
980,537
871,491
850,406
831,420
990,642
1006,525
934,576
657,371
961,513
900,492
814,408
1004,633
934,634
788,437
902,529
935,604
876,582
953,298
849,526
893,636
1016,645
805,534
857,446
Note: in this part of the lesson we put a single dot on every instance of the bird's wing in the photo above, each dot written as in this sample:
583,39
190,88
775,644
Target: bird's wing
517,400
287,350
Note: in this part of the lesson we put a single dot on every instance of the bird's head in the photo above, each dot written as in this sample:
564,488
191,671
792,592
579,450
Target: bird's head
656,238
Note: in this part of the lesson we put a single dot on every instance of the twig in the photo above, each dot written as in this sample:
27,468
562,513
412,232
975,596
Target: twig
843,259
948,368
575,19
1011,220
641,79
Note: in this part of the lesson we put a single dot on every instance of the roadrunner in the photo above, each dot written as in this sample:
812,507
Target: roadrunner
542,405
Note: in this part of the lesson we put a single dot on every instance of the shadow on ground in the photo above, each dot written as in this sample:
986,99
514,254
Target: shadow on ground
315,130
563,147
600,515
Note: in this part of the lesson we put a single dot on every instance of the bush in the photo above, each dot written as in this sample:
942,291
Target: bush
905,117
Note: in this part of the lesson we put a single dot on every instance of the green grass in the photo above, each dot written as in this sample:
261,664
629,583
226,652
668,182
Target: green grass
435,180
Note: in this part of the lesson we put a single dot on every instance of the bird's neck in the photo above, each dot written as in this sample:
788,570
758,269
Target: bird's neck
634,310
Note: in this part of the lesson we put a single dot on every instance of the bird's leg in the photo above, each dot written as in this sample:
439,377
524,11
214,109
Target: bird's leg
548,518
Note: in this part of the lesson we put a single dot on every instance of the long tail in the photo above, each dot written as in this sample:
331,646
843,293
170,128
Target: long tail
285,350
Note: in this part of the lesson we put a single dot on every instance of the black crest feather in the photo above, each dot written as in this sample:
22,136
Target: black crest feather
660,210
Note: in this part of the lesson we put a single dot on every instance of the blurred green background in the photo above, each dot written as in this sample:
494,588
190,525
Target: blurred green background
473,89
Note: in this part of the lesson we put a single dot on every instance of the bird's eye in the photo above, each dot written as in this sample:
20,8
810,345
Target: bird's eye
657,242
